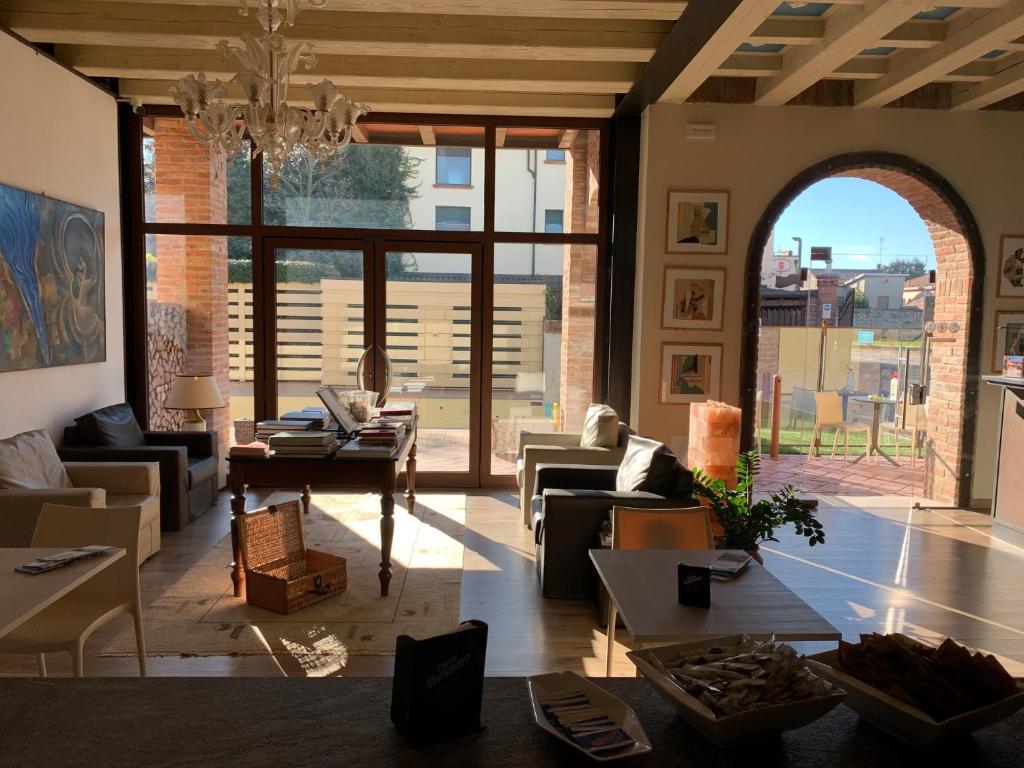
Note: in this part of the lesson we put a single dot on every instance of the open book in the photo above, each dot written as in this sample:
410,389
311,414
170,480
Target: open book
60,559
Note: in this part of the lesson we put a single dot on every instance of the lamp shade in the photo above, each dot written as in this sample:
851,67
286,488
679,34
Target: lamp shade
194,393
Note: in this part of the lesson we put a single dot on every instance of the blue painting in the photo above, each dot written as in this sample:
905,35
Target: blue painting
52,302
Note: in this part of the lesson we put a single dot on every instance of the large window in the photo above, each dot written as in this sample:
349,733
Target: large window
279,282
454,167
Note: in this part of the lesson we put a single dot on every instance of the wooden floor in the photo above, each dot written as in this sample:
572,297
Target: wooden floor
883,568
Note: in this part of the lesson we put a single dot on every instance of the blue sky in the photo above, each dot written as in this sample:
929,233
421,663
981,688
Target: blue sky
851,215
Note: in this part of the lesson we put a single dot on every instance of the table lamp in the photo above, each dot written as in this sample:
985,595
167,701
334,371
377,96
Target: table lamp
190,393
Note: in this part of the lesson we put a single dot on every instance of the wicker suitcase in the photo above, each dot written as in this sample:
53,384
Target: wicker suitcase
281,575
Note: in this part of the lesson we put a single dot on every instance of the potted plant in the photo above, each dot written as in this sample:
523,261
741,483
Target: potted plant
748,523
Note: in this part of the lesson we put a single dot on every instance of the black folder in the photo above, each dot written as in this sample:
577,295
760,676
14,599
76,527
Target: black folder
438,686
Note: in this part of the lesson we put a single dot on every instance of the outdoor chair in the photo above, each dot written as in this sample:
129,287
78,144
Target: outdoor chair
912,428
828,414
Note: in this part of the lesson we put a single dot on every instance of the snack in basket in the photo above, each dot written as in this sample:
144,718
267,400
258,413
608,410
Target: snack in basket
744,676
943,682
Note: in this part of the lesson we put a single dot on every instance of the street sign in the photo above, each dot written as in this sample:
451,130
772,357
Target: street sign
821,253
826,311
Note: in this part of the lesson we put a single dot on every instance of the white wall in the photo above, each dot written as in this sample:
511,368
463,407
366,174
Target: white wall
757,152
58,137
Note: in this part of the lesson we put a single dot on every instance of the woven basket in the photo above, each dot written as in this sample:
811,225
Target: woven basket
281,575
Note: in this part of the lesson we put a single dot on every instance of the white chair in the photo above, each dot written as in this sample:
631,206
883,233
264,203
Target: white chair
912,427
67,624
828,414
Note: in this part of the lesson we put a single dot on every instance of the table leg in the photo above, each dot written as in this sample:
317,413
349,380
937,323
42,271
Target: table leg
305,499
410,479
387,534
237,510
613,619
875,419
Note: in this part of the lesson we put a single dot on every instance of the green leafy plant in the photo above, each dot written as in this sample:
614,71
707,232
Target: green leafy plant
748,523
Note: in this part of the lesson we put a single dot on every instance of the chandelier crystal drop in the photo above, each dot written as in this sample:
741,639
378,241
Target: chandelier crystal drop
276,128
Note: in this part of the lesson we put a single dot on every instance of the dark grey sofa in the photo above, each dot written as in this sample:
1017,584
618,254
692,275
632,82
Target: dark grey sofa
188,469
570,504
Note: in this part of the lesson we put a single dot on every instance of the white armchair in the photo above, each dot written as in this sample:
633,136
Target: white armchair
96,484
559,448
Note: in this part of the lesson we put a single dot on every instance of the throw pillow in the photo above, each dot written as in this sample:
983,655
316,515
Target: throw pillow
114,426
600,427
29,461
647,466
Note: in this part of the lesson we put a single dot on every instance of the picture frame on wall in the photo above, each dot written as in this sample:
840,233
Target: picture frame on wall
1009,338
690,373
1011,267
693,298
698,222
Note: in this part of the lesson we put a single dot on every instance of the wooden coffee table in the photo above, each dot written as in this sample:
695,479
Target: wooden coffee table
642,587
376,474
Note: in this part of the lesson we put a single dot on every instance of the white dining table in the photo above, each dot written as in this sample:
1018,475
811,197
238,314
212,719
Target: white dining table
23,595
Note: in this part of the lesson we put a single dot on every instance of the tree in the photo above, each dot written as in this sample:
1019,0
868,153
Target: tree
913,267
365,186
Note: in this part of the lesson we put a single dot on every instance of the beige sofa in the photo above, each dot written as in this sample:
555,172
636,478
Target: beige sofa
95,484
559,448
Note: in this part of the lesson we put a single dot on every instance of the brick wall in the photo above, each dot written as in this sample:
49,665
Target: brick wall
192,271
579,278
954,277
908,317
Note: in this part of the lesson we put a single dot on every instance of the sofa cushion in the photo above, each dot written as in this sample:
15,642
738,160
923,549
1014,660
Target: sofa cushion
520,472
600,427
114,426
624,433
201,470
647,466
29,461
150,504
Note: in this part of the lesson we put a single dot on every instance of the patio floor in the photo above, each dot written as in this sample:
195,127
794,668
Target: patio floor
834,476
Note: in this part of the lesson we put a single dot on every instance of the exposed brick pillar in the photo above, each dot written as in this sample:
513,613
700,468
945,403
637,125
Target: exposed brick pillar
192,271
579,276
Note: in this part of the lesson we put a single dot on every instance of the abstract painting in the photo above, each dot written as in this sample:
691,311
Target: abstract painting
693,298
698,222
690,373
1011,267
52,302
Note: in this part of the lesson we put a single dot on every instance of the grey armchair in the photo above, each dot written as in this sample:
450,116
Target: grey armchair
537,448
569,507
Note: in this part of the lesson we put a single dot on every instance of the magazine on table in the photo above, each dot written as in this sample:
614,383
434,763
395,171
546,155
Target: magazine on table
728,564
60,559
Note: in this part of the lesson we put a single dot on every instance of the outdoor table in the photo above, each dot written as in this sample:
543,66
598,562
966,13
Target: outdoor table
876,417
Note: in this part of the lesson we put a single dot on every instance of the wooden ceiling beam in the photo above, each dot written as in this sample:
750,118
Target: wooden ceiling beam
654,10
366,72
848,31
359,134
963,46
427,136
568,137
334,32
499,136
1009,81
428,101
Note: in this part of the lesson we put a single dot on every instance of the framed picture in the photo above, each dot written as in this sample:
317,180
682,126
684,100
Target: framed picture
692,298
690,373
698,222
1009,338
1011,267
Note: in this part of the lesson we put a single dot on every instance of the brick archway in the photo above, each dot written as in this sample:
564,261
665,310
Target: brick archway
960,264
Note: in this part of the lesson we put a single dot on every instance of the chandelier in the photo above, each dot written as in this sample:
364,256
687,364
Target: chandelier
275,127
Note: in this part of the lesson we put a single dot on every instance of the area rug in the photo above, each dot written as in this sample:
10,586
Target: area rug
199,616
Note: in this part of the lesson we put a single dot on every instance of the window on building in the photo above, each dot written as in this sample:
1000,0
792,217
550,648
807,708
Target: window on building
454,166
553,221
452,218
554,156
883,302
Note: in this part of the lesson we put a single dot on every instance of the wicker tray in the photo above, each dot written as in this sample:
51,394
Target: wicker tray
281,575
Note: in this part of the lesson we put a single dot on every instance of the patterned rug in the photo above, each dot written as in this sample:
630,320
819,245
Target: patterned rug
199,615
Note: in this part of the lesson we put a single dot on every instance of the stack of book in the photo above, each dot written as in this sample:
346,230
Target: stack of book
304,443
267,429
313,415
256,449
381,434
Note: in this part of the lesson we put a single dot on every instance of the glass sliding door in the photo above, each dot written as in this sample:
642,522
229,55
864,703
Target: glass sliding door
320,292
431,330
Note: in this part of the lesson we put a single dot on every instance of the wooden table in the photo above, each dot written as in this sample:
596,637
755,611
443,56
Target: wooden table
23,595
376,474
876,419
643,588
